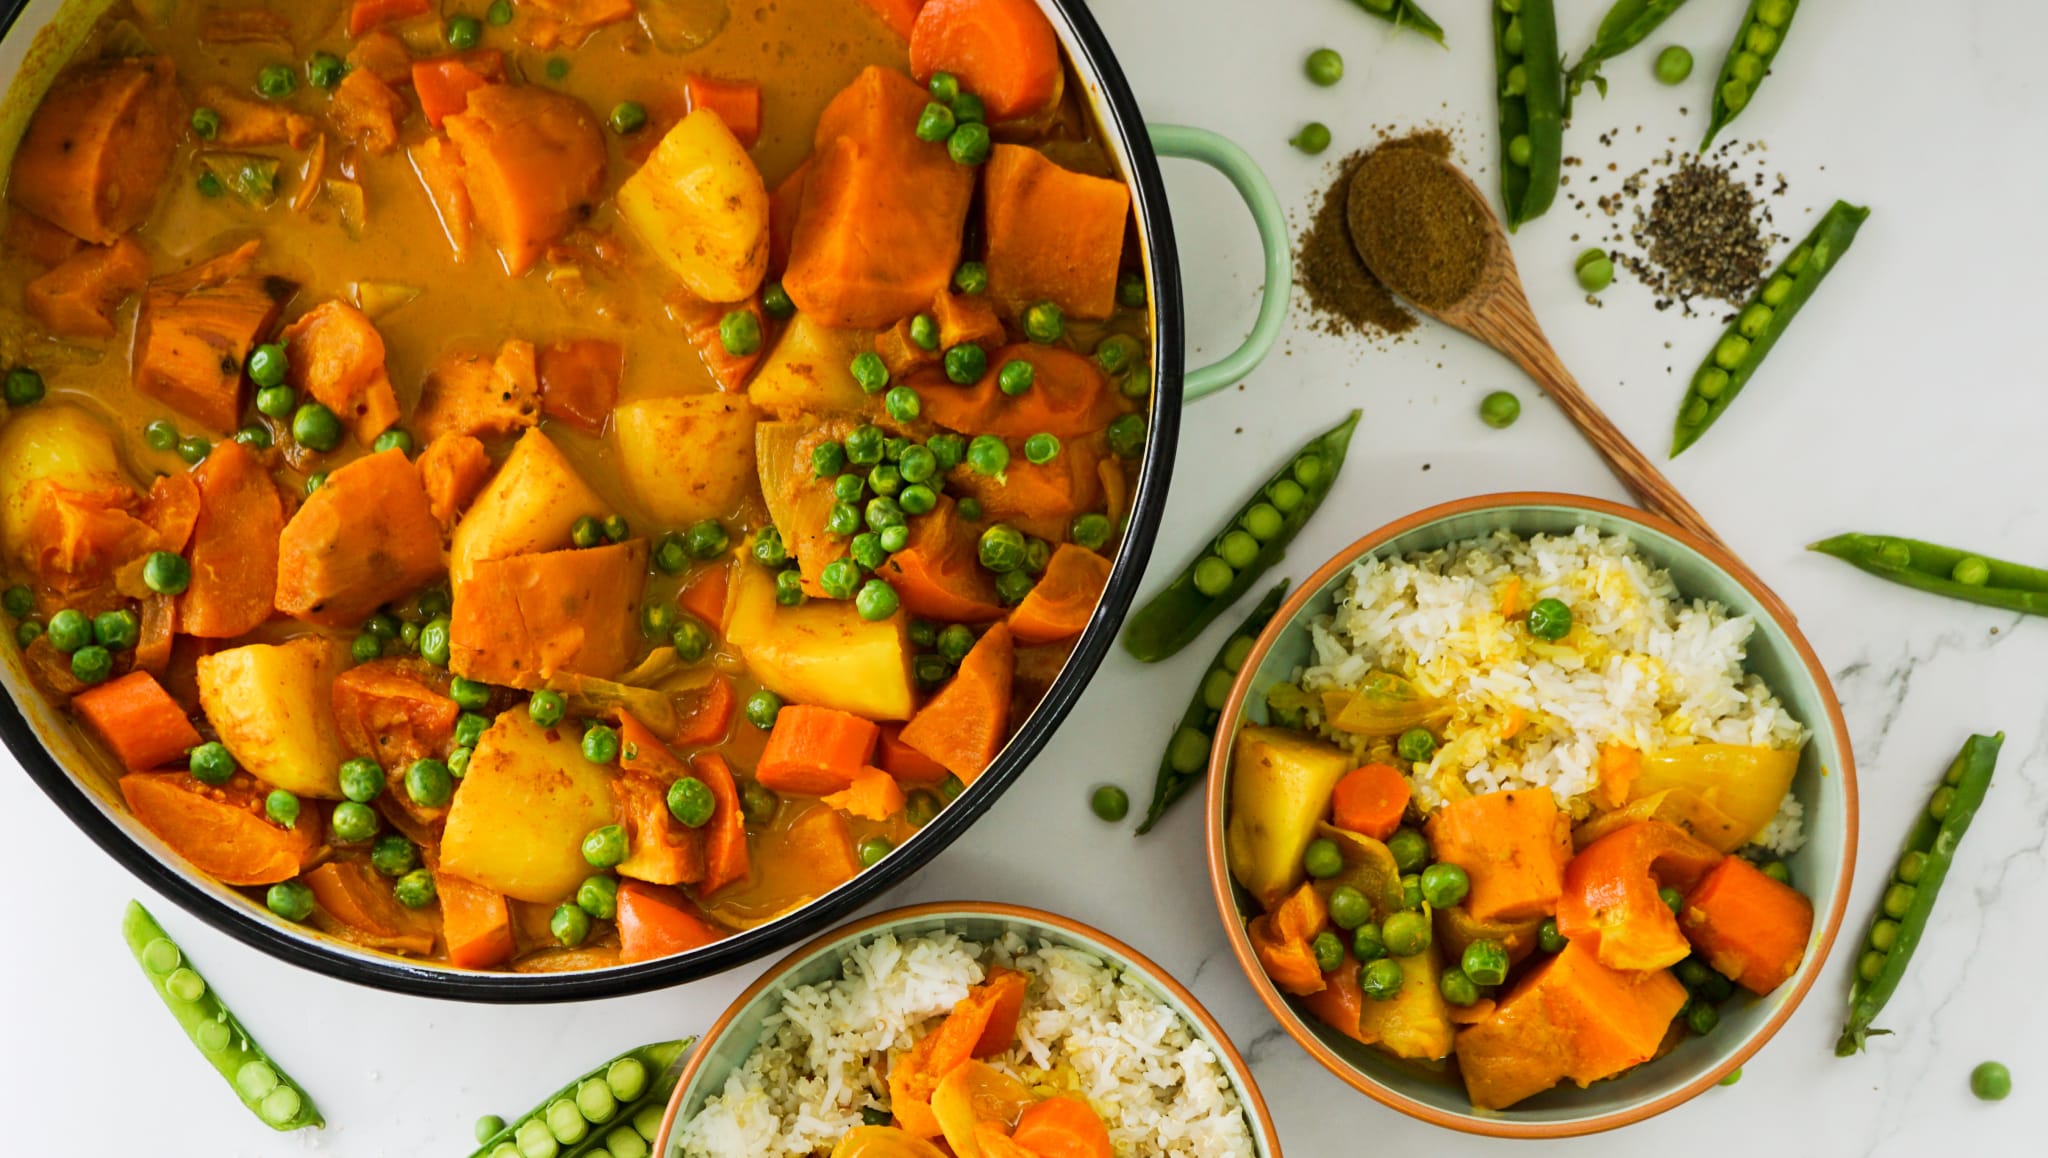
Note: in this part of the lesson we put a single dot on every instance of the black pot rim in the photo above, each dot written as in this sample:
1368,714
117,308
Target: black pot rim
245,922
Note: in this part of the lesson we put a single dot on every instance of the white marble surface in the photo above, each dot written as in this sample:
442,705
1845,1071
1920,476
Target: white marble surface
1909,398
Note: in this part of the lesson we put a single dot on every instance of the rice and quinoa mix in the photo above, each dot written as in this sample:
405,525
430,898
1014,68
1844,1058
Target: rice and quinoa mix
1642,666
1087,1029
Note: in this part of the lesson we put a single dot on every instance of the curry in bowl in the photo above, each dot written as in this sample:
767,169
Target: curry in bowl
547,485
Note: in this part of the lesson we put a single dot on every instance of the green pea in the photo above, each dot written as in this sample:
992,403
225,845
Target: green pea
1213,576
546,708
1898,899
195,448
768,548
27,632
1778,871
1126,435
1445,885
163,434
1944,798
1711,382
415,890
1548,938
789,588
1044,323
1912,866
1458,987
255,435
1367,943
275,82
1674,64
1091,530
876,601
1776,13
1884,935
316,428
1348,908
965,364
1324,67
1516,82
840,578
1130,291
394,855
872,850
92,664
739,331
600,746
1754,320
1702,1018
24,387
1672,898
1521,150
690,638
1991,1082
775,301
615,529
434,641
1550,619
1188,751
971,278
902,404
1595,271
429,783
605,846
365,648
955,641
281,807
969,109
1410,849
586,532
289,899
1313,138
1416,745
1109,803
18,602
1382,980
1486,962
969,508
268,365
1407,933
361,779
1500,409
629,117
882,513
970,143
116,630
1323,859
935,123
706,539
209,185
924,332
353,822
1971,571
570,925
1870,964
458,761
1238,549
762,707
205,123
69,630
1411,891
1777,290
870,373
1328,950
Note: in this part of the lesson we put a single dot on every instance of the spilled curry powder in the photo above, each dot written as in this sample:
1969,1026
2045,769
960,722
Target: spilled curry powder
1341,290
1416,222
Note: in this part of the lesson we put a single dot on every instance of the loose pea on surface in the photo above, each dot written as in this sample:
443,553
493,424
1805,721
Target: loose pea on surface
1325,67
1313,138
1110,803
1991,1081
1595,270
1674,64
1500,409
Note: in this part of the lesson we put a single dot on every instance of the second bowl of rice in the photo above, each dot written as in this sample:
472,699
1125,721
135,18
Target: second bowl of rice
800,1064
1672,642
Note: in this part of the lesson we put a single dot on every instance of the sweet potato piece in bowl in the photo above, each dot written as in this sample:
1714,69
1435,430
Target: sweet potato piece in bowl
1053,234
234,552
520,620
222,831
99,146
334,354
77,299
533,161
364,539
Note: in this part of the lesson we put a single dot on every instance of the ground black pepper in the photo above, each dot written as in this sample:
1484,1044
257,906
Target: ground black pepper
1702,235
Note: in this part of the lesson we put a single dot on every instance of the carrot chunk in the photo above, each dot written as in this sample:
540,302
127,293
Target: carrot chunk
335,354
365,538
873,795
938,574
1003,51
534,163
1006,989
467,393
916,1074
1370,800
137,720
98,147
725,834
1281,941
222,831
1749,927
964,725
1059,606
899,15
1053,234
704,595
879,232
77,299
363,15
452,469
234,552
656,922
475,922
37,239
356,906
815,751
579,381
1512,845
246,122
443,86
737,103
1610,901
909,766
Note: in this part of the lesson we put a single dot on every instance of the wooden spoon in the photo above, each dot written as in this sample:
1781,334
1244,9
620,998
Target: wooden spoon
1496,311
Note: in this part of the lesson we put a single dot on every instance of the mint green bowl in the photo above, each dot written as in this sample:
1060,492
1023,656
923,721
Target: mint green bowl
1825,786
724,1048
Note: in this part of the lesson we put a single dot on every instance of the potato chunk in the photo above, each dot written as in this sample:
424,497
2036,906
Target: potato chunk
518,822
365,538
1280,786
63,444
711,478
529,505
700,206
810,371
273,706
820,653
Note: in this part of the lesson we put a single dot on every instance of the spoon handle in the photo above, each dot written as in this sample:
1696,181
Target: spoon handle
1516,334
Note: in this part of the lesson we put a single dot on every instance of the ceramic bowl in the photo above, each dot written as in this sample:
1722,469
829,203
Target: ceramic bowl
1825,786
725,1046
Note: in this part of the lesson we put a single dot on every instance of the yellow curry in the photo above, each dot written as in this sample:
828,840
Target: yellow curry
539,485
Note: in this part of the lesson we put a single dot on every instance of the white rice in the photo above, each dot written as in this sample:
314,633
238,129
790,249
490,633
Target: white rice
1087,1029
1642,666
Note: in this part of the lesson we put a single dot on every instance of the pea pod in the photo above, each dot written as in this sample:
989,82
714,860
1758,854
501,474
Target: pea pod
1229,566
1531,88
1749,59
1909,899
1760,324
1944,571
269,1093
1625,26
1404,14
605,1111
1178,771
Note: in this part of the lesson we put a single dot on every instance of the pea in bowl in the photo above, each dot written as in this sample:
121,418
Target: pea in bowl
1531,815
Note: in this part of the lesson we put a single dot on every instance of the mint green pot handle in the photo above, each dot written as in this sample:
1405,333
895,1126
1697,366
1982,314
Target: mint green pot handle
1223,155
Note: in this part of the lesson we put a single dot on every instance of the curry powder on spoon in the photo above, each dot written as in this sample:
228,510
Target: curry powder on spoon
1418,226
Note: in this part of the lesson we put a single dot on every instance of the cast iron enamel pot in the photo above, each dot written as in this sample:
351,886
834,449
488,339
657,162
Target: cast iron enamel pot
36,38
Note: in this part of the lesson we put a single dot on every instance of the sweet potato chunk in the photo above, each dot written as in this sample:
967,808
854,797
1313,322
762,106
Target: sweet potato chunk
1040,499
222,831
879,233
393,711
77,299
452,468
337,356
520,620
37,240
533,161
579,381
1512,844
234,548
1053,234
438,163
1749,927
195,333
364,539
662,850
367,111
467,394
99,146
1069,396
246,122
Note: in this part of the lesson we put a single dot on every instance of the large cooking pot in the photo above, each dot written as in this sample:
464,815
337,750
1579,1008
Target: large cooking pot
38,36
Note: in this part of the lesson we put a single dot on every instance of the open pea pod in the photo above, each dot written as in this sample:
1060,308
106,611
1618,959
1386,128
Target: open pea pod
1245,549
614,1109
1748,60
1626,25
1531,91
1403,14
